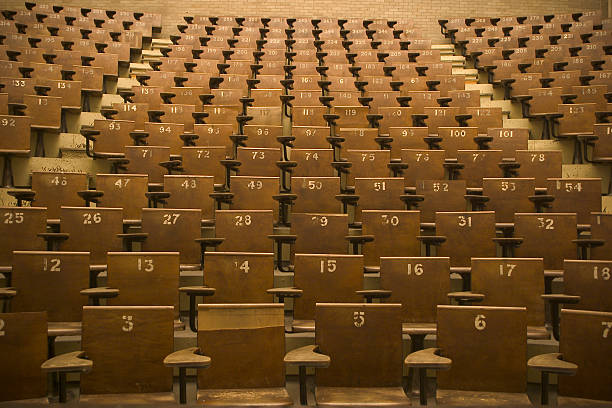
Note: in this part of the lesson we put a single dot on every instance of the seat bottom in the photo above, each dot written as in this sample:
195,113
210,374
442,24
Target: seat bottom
361,397
64,329
29,401
125,399
537,333
573,401
303,326
245,397
481,398
419,328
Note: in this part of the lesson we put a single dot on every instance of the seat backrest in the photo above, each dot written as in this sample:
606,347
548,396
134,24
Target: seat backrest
320,233
144,278
468,234
511,282
579,195
539,164
537,228
125,191
440,195
465,332
173,229
244,230
418,283
348,333
247,343
585,339
423,165
254,193
239,276
192,191
92,229
589,279
601,228
23,348
508,195
479,164
394,231
18,230
326,278
50,281
112,333
56,189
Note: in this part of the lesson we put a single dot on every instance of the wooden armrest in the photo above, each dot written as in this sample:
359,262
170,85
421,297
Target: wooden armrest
431,239
134,236
54,236
285,197
27,195
466,296
348,198
101,292
428,358
285,292
552,363
198,290
359,239
68,362
210,242
283,237
187,358
7,293
307,356
588,242
560,298
374,293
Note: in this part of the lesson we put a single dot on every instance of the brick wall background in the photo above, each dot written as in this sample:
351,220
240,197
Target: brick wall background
423,13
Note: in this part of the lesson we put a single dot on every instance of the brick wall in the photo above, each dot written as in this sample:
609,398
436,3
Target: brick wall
423,13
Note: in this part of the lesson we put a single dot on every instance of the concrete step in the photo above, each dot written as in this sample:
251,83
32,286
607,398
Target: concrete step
24,166
126,84
471,75
136,68
485,89
457,60
517,123
158,43
108,99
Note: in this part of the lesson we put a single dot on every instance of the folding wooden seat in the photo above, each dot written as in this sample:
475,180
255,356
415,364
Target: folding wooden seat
359,138
145,94
91,229
190,191
503,69
370,380
233,277
407,138
541,103
493,279
263,135
23,346
51,281
520,84
420,100
462,380
564,79
484,118
419,284
395,234
423,165
579,364
585,287
52,190
507,196
109,137
591,94
436,117
380,193
125,191
367,163
536,228
449,83
394,117
145,332
478,164
129,272
452,139
19,231
579,195
223,114
15,141
231,226
257,376
315,194
255,193
539,164
205,161
255,161
175,229
321,278
146,160
92,82
600,229
438,195
169,134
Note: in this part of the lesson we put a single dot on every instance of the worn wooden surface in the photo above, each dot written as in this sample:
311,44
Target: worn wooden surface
394,233
18,231
465,238
23,348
